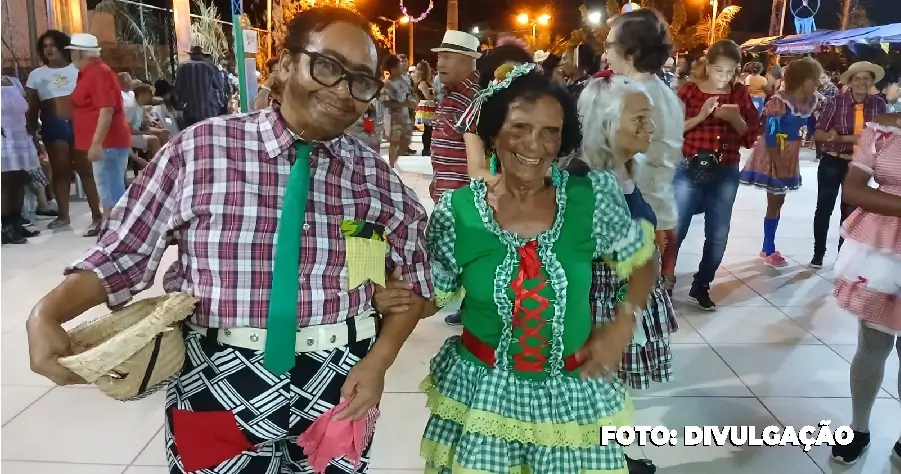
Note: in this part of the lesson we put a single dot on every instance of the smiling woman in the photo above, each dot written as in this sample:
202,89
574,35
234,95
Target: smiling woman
522,389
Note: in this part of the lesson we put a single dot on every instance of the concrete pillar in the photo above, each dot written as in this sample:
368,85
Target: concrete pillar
68,16
181,20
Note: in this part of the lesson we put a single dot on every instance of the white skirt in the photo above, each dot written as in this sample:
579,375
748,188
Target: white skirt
876,269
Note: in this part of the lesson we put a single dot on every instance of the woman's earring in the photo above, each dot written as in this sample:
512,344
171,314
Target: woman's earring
492,164
556,175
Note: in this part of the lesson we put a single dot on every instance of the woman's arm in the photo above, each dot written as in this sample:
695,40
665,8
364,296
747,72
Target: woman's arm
475,157
426,91
694,121
857,192
34,110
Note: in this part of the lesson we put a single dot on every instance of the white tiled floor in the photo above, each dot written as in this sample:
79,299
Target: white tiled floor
776,352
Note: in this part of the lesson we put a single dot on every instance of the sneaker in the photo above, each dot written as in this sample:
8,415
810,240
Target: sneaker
46,214
94,229
851,453
454,319
640,466
57,223
10,236
774,259
700,295
816,262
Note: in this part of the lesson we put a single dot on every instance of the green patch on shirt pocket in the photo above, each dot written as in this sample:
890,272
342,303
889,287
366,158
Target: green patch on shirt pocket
366,249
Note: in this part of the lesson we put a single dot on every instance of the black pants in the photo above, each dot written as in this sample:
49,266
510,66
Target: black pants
830,174
426,140
227,389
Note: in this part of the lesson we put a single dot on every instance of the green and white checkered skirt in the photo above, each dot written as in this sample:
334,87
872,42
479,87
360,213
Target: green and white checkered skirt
492,421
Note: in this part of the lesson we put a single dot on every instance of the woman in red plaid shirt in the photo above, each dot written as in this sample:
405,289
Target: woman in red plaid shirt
720,119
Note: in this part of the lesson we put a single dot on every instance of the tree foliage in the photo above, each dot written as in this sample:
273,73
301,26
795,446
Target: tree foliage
721,27
283,11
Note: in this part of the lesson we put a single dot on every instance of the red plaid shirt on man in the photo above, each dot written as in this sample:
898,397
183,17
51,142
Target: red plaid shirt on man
448,150
216,191
838,115
714,134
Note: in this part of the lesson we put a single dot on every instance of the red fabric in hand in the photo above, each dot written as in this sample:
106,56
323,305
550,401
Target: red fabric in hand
205,439
328,439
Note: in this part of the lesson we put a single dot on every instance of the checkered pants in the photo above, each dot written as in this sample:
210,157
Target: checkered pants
270,411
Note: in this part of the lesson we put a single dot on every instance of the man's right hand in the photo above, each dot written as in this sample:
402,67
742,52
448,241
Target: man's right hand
47,342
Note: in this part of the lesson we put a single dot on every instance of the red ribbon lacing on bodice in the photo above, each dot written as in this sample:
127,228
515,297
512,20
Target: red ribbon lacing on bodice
530,359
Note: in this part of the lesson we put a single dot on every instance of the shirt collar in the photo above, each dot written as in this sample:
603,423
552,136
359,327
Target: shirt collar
849,96
471,81
277,137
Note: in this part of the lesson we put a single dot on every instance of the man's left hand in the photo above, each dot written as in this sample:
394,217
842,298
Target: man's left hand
95,153
364,386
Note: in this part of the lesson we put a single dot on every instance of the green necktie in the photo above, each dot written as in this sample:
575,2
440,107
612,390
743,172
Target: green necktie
281,327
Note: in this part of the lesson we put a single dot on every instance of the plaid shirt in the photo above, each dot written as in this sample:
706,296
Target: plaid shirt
714,134
216,190
838,115
448,150
829,91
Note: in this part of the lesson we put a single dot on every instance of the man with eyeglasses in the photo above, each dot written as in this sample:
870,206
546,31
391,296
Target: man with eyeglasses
283,226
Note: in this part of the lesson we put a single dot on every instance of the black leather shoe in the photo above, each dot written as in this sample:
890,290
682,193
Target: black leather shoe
640,466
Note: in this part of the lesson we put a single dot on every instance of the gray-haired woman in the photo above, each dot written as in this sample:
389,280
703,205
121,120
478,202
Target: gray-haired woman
618,130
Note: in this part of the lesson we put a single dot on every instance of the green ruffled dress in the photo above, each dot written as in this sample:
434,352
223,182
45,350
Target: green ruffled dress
529,299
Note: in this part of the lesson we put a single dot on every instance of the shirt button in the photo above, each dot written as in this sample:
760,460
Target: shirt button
302,279
306,227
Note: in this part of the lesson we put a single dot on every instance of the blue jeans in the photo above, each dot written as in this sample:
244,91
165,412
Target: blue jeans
715,201
109,174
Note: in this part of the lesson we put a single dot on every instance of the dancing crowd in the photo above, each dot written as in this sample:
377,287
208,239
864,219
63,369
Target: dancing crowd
563,191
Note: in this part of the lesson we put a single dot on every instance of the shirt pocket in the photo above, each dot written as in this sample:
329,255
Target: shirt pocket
366,250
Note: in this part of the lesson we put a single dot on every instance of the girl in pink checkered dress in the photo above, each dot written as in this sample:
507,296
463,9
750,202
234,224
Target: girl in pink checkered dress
868,271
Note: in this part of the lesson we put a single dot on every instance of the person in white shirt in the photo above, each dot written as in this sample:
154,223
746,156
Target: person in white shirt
639,47
47,91
143,137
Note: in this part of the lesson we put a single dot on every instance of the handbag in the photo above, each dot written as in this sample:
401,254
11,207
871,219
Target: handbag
703,166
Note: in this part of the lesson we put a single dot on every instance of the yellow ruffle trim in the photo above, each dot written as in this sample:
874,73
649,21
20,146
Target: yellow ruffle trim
431,450
443,298
563,435
641,256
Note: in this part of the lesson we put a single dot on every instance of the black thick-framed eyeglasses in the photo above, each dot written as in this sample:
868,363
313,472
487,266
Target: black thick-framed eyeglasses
329,72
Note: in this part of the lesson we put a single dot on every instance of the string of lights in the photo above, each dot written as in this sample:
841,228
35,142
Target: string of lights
419,18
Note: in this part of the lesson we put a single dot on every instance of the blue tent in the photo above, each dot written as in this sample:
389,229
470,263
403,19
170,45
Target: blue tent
857,35
886,34
802,44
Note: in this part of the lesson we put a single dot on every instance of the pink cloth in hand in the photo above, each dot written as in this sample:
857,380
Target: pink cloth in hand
328,439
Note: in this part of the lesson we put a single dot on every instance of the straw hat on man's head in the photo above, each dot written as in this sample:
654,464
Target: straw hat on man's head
83,42
459,42
863,66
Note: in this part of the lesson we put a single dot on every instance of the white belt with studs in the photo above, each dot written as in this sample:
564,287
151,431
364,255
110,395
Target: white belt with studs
309,339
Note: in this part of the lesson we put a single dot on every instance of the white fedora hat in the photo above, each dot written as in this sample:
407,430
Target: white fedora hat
459,42
83,42
863,66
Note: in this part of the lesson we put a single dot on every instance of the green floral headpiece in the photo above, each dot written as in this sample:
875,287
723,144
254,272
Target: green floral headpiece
503,77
